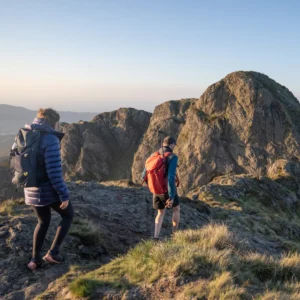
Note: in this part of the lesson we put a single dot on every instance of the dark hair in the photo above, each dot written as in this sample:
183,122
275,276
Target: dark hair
51,115
169,141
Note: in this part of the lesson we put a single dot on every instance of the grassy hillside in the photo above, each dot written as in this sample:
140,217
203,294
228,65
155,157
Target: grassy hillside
249,250
209,263
239,239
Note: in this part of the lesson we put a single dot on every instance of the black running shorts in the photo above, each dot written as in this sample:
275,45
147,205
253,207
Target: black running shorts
159,201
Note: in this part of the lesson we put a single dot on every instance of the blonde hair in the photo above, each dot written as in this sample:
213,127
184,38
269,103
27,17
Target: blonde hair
51,115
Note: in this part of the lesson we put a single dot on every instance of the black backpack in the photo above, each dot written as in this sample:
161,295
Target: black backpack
24,158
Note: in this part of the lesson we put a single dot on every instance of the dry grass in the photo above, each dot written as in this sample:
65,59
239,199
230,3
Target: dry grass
10,207
149,261
220,239
221,287
280,224
212,261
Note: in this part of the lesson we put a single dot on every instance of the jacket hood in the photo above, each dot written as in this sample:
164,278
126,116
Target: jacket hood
41,124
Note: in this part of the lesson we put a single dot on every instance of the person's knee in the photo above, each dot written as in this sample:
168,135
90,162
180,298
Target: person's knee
45,222
160,212
176,209
68,214
68,217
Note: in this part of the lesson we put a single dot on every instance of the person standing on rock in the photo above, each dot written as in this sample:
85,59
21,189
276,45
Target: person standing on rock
51,191
160,176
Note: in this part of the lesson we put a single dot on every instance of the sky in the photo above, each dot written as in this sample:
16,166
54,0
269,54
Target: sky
86,55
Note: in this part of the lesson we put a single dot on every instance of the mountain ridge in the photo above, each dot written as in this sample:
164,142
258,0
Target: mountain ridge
239,167
14,117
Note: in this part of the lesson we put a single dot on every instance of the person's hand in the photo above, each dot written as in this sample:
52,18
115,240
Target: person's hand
169,203
64,204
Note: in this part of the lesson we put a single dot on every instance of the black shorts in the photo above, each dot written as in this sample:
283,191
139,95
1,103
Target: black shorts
159,201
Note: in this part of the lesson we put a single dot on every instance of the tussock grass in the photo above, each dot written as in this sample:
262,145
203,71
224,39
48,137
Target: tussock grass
87,231
213,261
275,296
211,236
83,287
221,287
9,207
256,215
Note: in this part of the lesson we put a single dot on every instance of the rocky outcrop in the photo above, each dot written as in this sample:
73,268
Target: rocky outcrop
242,188
167,119
103,149
286,173
241,124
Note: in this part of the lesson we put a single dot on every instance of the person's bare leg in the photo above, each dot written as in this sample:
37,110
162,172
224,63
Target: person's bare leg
158,222
176,218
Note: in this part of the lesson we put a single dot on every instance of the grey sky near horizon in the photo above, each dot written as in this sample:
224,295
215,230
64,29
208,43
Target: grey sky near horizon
146,100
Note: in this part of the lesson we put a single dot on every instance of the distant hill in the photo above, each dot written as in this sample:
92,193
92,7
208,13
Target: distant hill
14,117
6,142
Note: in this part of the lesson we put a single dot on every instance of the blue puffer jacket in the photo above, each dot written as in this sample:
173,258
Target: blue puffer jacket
52,187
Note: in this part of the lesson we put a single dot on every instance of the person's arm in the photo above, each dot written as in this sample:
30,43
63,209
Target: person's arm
54,168
171,177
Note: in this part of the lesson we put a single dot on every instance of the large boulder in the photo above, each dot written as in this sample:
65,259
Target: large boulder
103,149
241,124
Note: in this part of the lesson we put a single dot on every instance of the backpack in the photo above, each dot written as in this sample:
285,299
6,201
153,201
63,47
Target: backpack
24,156
156,172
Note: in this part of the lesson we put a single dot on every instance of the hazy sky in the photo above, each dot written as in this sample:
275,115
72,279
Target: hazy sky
101,55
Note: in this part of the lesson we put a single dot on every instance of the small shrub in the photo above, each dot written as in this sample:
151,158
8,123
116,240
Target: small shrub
87,231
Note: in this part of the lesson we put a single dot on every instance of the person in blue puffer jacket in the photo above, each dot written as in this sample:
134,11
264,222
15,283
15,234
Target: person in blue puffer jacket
52,192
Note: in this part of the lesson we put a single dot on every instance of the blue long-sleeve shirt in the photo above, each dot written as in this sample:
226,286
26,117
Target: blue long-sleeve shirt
171,177
172,165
